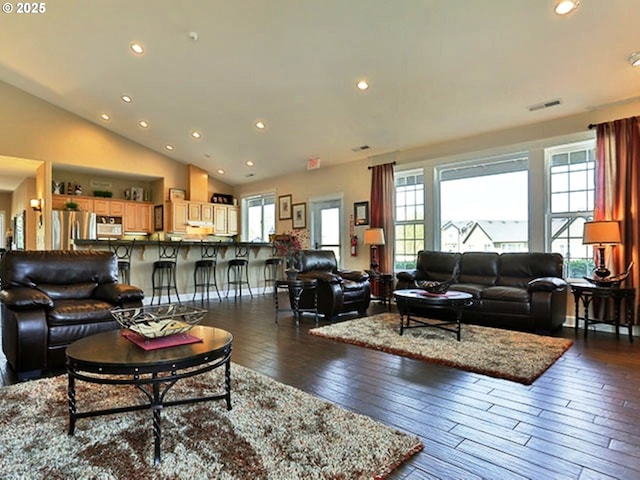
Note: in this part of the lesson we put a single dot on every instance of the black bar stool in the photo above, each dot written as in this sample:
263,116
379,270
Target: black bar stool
237,266
163,276
204,274
271,267
123,250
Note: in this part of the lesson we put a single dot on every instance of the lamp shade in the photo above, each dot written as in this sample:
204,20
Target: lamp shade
374,236
601,233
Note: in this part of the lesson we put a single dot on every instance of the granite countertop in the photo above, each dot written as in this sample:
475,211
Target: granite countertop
148,243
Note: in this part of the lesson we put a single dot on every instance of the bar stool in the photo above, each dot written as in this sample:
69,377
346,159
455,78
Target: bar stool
123,250
236,266
204,274
163,275
271,267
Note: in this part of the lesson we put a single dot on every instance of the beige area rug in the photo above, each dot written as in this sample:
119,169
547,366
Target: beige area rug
273,432
521,357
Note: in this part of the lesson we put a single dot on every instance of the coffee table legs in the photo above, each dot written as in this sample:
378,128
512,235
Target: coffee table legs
71,395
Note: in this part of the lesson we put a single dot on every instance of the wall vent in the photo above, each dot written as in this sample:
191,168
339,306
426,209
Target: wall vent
549,104
360,148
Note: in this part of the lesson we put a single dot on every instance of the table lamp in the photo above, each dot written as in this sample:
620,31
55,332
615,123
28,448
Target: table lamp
601,233
374,237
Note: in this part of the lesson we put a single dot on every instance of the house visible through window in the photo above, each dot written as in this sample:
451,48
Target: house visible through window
409,217
571,178
259,216
484,205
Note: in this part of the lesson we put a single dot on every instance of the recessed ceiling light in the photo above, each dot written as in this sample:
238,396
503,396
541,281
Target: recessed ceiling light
566,6
105,116
137,48
362,85
220,171
126,98
143,124
260,125
196,134
249,163
169,147
634,59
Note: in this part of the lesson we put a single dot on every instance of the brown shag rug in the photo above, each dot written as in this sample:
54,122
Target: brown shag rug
517,356
274,431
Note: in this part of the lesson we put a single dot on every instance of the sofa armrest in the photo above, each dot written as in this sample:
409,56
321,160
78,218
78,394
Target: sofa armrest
354,275
118,293
20,299
546,284
321,276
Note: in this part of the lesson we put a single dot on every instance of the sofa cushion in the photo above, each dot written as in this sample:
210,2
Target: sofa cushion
438,266
479,267
474,289
69,312
518,269
506,294
72,291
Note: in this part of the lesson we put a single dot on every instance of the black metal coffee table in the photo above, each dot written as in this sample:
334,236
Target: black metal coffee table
413,301
110,358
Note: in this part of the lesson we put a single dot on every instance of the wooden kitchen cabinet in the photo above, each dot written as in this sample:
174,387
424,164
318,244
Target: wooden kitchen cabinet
232,220
225,220
137,217
59,202
112,208
178,214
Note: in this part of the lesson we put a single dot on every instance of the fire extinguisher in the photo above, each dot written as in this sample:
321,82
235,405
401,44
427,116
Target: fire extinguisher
354,245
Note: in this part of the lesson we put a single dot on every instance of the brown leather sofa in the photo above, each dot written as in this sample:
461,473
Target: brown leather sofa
521,291
52,298
339,291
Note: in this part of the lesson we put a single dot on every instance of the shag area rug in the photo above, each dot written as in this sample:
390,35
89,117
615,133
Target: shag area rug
274,431
517,356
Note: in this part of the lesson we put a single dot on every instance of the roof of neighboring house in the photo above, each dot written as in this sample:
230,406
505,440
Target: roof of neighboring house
502,231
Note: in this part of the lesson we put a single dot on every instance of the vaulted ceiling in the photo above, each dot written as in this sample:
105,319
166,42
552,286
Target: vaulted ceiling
437,70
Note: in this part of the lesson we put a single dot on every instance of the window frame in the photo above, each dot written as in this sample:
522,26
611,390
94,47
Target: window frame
263,198
418,223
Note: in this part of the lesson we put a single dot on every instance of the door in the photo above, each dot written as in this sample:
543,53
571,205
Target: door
326,219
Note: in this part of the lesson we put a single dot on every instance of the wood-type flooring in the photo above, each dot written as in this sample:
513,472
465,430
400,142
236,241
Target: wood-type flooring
579,420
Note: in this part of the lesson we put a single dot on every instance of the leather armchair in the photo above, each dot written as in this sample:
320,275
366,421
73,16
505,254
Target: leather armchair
339,291
52,298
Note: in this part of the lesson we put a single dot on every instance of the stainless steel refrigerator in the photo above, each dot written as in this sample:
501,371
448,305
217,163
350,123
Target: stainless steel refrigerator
69,225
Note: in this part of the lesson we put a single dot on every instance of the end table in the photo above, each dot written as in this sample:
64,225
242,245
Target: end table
381,287
295,289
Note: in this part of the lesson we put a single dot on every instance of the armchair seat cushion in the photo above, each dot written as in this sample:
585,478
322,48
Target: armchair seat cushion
72,312
510,294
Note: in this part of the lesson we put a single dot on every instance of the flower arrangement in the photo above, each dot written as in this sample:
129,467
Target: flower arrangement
289,245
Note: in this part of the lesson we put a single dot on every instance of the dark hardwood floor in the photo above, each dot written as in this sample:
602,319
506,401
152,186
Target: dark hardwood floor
580,420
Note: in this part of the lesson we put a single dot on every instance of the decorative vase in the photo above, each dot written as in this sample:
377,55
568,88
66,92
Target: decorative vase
292,273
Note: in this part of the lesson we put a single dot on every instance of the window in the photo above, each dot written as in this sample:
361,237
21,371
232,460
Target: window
259,216
409,218
484,205
326,219
571,187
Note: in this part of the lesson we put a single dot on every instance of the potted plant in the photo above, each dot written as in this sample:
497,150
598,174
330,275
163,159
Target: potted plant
289,245
71,206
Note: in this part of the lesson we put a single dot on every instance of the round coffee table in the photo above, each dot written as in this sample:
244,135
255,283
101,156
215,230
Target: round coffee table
110,358
414,301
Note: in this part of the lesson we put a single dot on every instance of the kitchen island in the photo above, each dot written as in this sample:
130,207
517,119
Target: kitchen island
145,252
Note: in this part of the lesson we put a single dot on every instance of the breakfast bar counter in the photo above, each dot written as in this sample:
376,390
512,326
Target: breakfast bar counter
145,252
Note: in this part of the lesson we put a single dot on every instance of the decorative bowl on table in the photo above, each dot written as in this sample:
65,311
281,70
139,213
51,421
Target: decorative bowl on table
155,321
432,286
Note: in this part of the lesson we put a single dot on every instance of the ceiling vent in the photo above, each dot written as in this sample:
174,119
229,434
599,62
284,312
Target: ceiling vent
549,104
360,148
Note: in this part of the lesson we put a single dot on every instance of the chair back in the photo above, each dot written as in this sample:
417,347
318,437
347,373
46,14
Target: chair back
242,251
209,250
122,248
169,250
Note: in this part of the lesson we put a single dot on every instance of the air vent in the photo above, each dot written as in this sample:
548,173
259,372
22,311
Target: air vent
249,175
549,104
359,149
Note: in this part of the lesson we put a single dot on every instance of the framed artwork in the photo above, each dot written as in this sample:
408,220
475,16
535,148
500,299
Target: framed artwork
284,207
299,215
158,218
177,194
137,194
361,213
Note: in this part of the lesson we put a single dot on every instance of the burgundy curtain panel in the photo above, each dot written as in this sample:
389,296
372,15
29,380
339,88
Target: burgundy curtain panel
617,190
381,211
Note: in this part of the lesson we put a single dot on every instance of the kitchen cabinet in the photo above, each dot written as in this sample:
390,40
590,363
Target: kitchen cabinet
59,202
178,214
137,217
225,220
112,208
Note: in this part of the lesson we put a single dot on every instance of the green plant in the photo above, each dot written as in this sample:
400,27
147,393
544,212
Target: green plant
102,193
71,206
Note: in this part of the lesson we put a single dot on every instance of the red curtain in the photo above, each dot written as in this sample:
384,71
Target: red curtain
381,211
617,189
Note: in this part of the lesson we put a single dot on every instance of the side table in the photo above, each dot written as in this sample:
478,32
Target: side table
588,295
295,289
381,287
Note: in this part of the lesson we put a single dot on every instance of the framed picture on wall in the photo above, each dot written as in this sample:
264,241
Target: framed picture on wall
299,215
284,207
361,213
158,218
177,194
